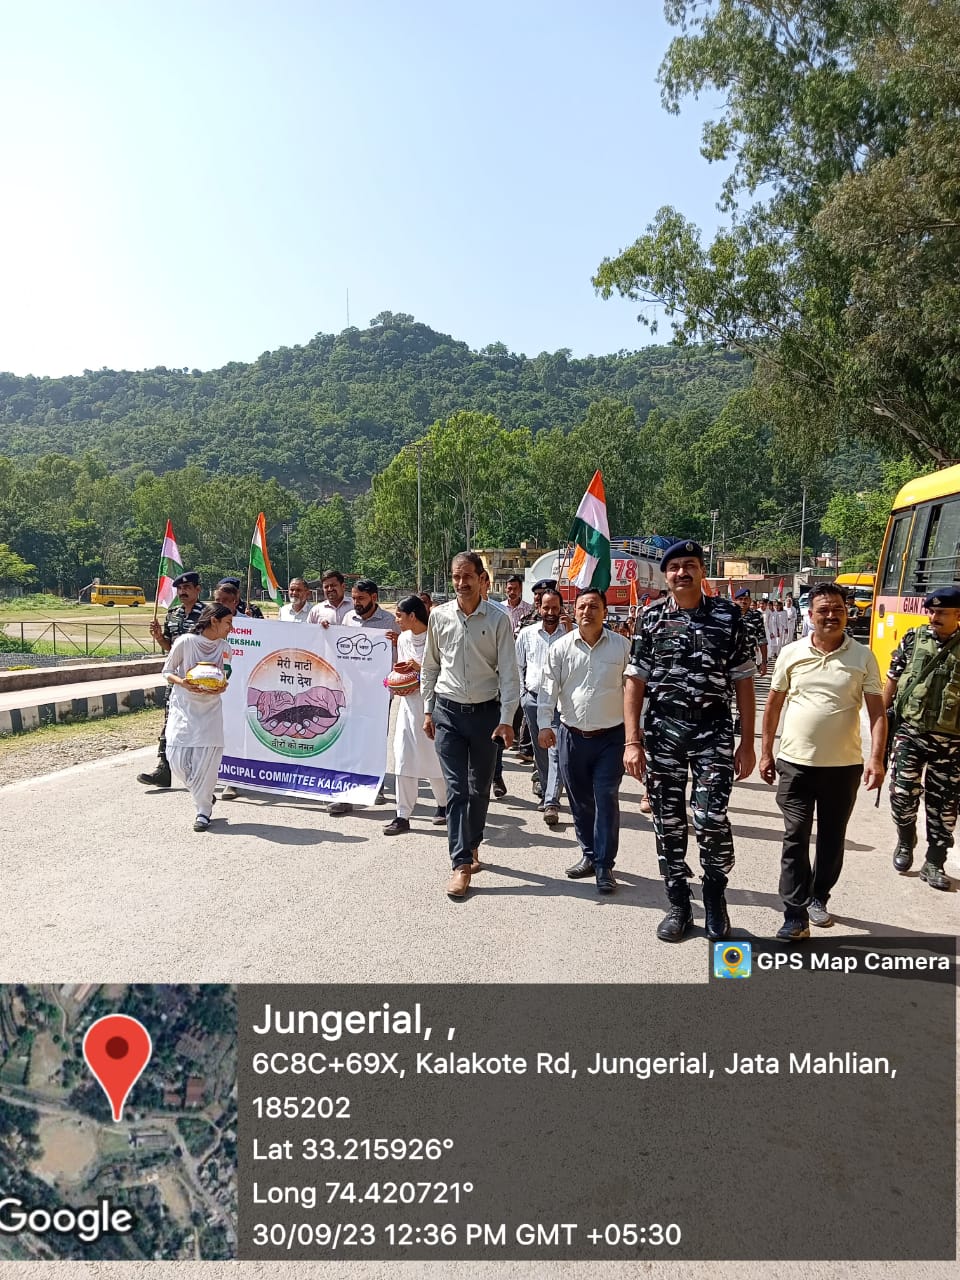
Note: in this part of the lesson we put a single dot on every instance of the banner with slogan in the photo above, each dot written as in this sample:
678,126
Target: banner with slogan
305,710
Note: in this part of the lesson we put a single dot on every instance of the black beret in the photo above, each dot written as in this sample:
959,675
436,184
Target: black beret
943,598
230,582
187,580
742,593
545,584
681,549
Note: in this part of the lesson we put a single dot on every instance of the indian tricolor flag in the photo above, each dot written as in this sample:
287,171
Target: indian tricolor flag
260,560
171,566
590,566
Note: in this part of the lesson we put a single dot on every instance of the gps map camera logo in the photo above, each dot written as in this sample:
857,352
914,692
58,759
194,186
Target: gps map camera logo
732,959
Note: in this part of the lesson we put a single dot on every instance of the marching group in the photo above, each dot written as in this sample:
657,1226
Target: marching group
587,704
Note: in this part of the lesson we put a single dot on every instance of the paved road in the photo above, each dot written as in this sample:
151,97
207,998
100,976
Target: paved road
106,881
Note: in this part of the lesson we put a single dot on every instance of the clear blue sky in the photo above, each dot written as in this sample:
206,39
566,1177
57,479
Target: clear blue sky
189,182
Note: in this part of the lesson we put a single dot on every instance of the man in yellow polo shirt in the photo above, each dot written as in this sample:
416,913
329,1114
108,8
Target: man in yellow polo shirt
824,679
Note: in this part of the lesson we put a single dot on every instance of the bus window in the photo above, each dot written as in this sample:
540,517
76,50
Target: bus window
934,548
893,569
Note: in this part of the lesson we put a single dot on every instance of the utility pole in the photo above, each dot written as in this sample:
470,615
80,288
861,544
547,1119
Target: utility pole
286,531
419,517
713,538
803,525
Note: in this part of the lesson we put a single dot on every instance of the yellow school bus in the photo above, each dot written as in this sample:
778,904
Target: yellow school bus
921,552
103,594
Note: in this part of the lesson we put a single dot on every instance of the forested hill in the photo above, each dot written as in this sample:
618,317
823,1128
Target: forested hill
327,414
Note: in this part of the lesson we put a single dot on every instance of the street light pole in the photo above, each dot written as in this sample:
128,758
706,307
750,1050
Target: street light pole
713,538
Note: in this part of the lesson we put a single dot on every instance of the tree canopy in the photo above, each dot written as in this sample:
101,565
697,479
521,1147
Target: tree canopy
839,270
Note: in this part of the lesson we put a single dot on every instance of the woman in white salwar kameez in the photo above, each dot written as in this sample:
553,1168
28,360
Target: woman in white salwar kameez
195,721
415,756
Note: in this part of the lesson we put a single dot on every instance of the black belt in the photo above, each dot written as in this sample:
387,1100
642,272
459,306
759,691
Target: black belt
467,708
693,715
591,733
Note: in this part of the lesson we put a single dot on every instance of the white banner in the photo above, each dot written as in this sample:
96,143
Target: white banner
305,710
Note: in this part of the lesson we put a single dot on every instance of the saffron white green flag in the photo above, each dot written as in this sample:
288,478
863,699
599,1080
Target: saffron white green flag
590,566
171,566
260,560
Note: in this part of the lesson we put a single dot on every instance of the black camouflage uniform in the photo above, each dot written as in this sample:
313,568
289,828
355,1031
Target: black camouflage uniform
926,747
690,660
755,629
177,623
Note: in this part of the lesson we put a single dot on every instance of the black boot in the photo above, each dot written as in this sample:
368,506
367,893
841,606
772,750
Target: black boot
160,777
715,910
903,854
679,919
932,872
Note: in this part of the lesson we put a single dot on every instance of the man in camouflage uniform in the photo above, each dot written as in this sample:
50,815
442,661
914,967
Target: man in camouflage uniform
181,618
690,652
755,627
923,687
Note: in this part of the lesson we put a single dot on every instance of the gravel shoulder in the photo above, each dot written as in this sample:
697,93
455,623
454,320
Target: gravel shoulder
30,755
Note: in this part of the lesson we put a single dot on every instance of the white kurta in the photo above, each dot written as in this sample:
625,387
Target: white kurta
413,753
195,722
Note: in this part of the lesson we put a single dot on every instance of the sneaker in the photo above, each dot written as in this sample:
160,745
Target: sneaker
551,815
537,789
439,819
792,929
819,915
398,827
200,823
229,793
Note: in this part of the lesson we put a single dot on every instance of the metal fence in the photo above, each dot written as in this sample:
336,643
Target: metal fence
81,639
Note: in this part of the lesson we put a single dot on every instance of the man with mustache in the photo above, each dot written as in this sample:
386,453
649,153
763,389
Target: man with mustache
689,653
823,681
923,687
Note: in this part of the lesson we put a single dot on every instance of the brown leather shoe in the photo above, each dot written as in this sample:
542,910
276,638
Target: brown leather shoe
476,865
459,882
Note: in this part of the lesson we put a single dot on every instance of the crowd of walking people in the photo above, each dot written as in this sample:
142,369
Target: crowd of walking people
672,703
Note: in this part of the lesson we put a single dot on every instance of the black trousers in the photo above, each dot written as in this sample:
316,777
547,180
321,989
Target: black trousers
802,791
468,757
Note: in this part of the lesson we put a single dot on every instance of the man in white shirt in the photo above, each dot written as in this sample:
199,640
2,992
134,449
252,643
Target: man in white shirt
533,644
470,686
823,680
334,607
365,612
298,610
583,676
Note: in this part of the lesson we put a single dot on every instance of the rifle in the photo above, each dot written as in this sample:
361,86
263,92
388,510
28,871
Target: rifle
893,724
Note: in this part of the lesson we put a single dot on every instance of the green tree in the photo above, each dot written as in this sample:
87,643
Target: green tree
326,538
14,570
836,273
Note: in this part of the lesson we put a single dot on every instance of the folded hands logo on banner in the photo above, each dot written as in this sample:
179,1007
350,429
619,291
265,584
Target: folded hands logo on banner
294,703
306,714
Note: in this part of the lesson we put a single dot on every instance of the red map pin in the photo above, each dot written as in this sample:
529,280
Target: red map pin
117,1048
